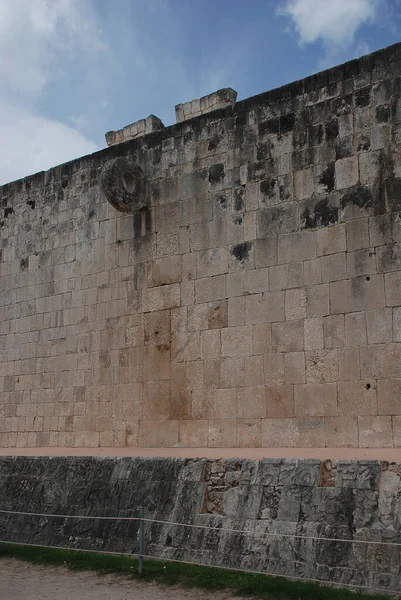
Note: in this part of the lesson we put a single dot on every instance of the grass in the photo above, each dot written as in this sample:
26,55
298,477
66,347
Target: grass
170,573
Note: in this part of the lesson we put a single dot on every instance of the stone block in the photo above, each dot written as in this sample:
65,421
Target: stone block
334,267
303,184
277,433
249,433
237,341
156,400
357,233
357,398
254,372
321,366
360,293
236,311
254,309
253,403
212,262
361,262
256,281
274,368
389,396
202,404
313,271
309,432
225,403
315,400
349,369
294,364
331,240
160,298
283,277
380,361
334,331
234,371
296,246
203,290
317,300
210,344
375,432
346,172
393,288
193,434
397,324
223,433
279,401
158,434
341,432
288,336
379,325
157,328
380,230
313,333
295,303
164,271
355,329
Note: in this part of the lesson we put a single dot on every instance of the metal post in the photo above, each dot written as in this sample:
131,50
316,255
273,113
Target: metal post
141,551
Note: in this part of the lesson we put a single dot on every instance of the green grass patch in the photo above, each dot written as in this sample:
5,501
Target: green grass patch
170,573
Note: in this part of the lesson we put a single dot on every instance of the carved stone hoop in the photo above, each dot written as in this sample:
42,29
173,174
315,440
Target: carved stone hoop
124,185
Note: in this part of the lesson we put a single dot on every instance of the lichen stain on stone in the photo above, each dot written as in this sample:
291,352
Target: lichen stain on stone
327,178
216,173
241,251
360,196
321,215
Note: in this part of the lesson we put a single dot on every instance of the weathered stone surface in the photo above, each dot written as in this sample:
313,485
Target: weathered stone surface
277,506
231,280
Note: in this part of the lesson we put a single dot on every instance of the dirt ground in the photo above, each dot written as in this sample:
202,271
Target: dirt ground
23,581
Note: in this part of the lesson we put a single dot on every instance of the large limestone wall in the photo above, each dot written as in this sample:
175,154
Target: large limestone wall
232,280
302,500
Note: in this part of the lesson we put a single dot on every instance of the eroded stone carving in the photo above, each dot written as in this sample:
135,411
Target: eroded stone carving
124,185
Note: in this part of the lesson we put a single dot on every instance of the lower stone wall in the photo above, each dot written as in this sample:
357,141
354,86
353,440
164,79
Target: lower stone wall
344,500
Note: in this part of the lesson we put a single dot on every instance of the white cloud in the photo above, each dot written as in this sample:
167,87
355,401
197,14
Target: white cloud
335,22
38,40
32,143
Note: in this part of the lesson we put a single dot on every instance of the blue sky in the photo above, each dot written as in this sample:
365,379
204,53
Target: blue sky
73,69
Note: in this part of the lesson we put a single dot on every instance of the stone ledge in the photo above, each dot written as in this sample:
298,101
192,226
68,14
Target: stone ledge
135,130
200,106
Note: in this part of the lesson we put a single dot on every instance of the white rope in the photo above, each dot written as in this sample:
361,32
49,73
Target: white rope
242,531
16,512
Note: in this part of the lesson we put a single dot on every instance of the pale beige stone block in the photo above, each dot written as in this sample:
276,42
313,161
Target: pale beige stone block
193,434
223,433
315,400
357,231
397,324
254,309
212,262
294,365
389,396
334,267
357,398
254,371
379,325
219,287
346,172
157,328
283,277
375,432
309,432
273,306
355,329
158,434
334,331
237,341
234,372
249,433
204,290
198,317
318,300
159,298
322,366
358,294
256,281
277,433
341,432
313,333
380,361
234,284
331,240
262,338
253,403
296,246
213,373
393,288
280,401
210,344
303,184
295,303
156,363
313,271
187,293
225,403
156,400
274,368
349,369
236,311
202,404
288,336
164,271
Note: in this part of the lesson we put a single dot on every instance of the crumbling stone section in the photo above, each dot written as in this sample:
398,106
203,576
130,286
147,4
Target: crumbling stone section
233,280
137,129
284,504
200,106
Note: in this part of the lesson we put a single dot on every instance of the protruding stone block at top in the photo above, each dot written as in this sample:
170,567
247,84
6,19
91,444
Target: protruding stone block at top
137,129
220,99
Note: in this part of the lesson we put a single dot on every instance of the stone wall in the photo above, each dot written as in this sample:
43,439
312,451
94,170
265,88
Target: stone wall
310,499
232,280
